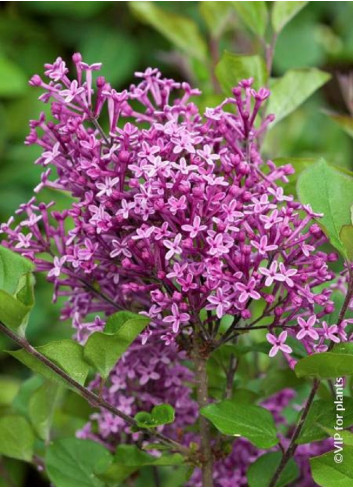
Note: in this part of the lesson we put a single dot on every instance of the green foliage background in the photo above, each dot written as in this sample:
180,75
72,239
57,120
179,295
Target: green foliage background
186,43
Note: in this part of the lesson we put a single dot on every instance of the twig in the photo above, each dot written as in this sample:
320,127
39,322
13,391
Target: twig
288,454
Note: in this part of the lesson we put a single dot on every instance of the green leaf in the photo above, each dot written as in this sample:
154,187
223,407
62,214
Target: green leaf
252,422
321,417
263,469
344,121
292,89
216,16
16,438
346,237
41,408
233,68
72,462
16,289
12,267
67,354
283,12
25,289
103,350
325,365
327,472
13,82
179,30
329,190
253,14
125,322
13,313
160,415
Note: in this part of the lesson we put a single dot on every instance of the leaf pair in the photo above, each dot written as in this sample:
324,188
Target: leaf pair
101,351
160,415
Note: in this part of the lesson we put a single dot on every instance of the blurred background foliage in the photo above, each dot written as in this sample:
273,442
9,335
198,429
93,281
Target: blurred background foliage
186,41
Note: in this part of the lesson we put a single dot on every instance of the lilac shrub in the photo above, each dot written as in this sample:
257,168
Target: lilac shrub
174,214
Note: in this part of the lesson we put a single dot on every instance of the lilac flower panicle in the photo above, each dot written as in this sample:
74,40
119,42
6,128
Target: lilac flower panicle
173,212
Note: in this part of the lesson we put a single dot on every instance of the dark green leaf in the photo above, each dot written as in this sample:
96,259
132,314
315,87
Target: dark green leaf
253,14
160,415
179,30
16,438
75,463
252,422
325,365
67,354
233,68
283,12
103,350
329,190
327,472
263,469
290,91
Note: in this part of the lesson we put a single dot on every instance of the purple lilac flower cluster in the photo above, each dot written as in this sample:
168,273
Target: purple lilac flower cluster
173,212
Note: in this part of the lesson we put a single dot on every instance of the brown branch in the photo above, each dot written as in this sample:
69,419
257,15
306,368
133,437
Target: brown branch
288,454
